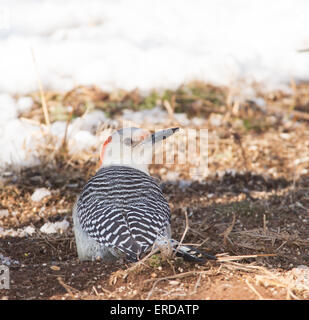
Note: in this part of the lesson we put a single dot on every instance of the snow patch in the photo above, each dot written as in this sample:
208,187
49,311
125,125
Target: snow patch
20,232
39,194
155,115
168,43
18,143
56,227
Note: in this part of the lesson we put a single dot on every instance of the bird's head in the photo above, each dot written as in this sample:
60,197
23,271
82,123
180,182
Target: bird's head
132,147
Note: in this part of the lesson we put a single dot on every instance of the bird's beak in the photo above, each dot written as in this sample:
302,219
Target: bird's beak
158,136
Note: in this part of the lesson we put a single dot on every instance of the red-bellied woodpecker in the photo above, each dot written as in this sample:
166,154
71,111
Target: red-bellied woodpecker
121,212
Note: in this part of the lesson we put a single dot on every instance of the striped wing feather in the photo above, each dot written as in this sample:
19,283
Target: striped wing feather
124,208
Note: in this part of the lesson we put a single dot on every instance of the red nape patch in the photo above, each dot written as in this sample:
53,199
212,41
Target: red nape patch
144,135
107,141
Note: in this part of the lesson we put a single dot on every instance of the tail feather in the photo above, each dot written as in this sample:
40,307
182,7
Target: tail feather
189,253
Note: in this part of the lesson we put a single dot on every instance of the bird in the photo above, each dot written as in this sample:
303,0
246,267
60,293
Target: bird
121,212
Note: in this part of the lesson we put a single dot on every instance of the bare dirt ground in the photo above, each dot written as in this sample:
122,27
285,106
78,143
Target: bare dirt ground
257,213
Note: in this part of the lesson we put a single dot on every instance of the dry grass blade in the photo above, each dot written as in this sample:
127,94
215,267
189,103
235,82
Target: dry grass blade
197,284
95,290
238,140
152,290
44,105
270,235
226,233
285,281
253,289
234,258
170,112
295,113
183,235
68,288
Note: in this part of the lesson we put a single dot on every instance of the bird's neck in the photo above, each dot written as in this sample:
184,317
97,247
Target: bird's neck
141,167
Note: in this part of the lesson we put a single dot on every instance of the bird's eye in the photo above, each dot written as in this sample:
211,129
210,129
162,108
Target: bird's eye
128,141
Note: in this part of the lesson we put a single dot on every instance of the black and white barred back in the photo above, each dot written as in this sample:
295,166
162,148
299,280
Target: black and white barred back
124,208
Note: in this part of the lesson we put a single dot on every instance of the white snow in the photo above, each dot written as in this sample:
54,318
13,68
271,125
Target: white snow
154,116
56,227
39,194
147,44
20,232
18,143
215,119
82,140
8,110
24,104
48,227
90,121
118,44
182,119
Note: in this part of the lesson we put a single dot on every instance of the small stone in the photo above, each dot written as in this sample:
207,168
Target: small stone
4,213
55,268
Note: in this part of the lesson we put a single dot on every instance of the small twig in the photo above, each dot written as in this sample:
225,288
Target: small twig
168,108
295,113
64,141
68,288
264,224
289,292
197,284
254,290
31,121
196,244
95,290
281,245
184,234
170,111
227,232
44,238
107,292
171,265
201,235
237,139
152,289
64,144
233,258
